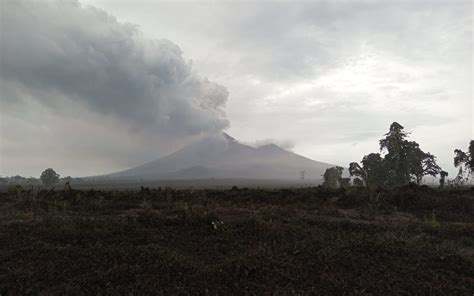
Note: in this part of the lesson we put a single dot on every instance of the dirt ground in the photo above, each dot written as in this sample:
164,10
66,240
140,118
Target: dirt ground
413,241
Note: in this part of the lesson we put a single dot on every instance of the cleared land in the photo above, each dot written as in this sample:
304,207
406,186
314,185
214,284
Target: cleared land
413,240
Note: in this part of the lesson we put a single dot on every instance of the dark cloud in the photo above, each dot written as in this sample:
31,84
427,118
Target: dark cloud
62,50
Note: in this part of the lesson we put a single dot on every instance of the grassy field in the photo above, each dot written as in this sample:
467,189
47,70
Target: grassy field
412,241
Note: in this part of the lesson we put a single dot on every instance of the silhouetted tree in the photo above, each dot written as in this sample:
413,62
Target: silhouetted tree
332,177
372,172
423,164
397,148
443,175
464,161
49,177
403,161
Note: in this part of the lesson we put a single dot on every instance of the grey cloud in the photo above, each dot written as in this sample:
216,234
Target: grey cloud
62,49
297,40
285,144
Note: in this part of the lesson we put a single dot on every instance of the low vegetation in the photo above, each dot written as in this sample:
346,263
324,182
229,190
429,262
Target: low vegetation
410,240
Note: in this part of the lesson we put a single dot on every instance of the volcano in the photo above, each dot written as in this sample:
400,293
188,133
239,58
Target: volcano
223,157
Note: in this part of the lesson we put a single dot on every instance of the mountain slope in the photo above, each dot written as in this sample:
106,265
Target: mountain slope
224,157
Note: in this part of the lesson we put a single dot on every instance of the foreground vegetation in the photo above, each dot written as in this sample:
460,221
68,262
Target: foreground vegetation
412,240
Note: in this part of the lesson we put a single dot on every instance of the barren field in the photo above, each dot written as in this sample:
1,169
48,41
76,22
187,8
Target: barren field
414,240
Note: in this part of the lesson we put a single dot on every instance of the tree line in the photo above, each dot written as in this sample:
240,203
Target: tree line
399,162
48,178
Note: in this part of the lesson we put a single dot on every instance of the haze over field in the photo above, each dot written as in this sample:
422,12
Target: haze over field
95,87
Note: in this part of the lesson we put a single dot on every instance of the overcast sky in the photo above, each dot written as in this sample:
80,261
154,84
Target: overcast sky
90,90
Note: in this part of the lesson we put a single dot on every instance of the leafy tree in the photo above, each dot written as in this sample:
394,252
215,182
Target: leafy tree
372,172
430,167
423,164
397,150
49,177
356,170
332,177
402,161
464,161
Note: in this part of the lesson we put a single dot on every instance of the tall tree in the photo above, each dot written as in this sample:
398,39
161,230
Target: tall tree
49,177
402,161
372,172
465,162
397,150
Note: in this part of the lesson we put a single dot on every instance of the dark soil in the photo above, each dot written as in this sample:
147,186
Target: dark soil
411,241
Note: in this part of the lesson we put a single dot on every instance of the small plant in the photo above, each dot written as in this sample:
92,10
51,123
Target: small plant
431,221
146,205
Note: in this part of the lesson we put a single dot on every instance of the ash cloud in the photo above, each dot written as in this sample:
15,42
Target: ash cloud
285,144
63,50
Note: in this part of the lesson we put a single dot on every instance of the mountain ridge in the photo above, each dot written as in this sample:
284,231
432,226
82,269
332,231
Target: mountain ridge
223,156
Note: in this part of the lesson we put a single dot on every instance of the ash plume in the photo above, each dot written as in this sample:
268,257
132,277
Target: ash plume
62,50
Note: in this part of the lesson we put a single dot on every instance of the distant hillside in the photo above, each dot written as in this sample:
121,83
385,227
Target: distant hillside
224,157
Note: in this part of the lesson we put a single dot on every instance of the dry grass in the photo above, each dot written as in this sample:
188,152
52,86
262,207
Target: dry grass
284,242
